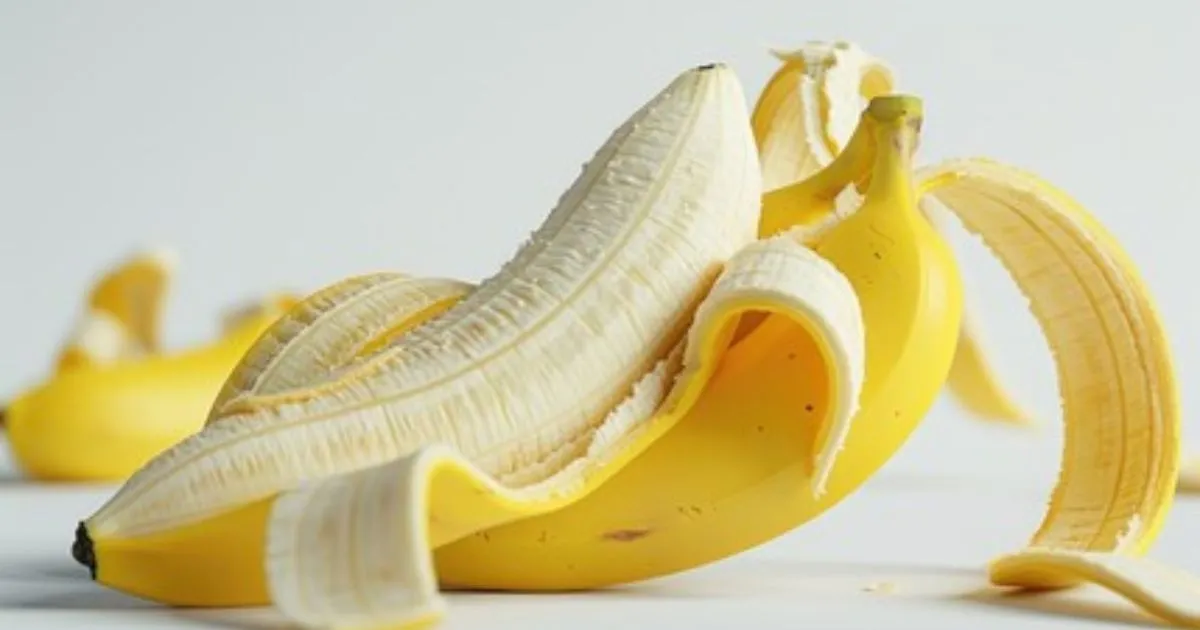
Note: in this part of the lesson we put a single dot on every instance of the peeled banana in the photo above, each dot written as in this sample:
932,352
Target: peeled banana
701,348
116,397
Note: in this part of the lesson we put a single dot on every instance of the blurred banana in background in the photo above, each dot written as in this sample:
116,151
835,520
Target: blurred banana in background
115,396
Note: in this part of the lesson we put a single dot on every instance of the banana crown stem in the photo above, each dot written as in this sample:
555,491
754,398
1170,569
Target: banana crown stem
881,146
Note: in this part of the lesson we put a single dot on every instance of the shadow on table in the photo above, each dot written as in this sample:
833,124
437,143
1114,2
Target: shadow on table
92,597
1062,604
8,472
63,586
52,585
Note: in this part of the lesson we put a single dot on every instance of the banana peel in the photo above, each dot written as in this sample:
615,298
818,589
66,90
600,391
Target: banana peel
708,476
115,396
803,119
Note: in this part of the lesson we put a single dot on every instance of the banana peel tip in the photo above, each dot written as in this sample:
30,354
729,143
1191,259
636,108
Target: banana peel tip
82,549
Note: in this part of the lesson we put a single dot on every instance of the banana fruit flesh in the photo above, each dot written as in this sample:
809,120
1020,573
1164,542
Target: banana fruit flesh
732,472
678,184
701,391
116,397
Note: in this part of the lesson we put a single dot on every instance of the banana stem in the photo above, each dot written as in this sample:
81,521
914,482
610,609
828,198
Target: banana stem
897,130
892,118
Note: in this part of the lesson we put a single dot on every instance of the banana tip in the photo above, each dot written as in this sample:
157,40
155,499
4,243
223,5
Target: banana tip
82,549
3,416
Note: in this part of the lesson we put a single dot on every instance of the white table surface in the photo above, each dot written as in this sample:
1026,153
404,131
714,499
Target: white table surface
908,551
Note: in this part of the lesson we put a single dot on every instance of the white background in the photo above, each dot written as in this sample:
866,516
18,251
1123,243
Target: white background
285,145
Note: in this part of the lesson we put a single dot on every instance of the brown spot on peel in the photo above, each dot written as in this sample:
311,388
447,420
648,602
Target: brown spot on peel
625,535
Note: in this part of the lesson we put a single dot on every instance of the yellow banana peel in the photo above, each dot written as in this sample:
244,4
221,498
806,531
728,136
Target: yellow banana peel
726,325
799,129
803,119
116,397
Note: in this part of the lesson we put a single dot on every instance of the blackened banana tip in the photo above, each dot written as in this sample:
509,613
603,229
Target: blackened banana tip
82,549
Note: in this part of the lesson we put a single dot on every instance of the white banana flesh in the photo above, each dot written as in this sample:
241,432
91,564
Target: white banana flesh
333,327
354,551
522,370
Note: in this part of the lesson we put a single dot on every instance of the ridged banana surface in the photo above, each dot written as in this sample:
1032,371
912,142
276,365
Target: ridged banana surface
701,348
116,397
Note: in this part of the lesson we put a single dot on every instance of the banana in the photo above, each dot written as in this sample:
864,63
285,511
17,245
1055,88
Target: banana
761,386
803,118
342,322
732,472
679,184
1119,394
116,398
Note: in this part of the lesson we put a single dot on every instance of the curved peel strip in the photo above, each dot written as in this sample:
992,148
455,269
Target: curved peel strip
1120,400
354,550
1161,590
332,327
809,108
124,312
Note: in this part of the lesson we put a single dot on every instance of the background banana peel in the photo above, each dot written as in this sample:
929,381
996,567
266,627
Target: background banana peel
114,396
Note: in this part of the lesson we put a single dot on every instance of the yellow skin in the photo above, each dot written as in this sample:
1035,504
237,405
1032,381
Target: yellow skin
795,135
100,417
727,464
974,382
653,517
